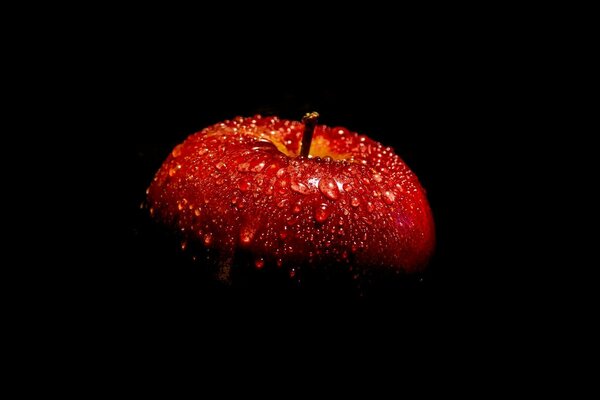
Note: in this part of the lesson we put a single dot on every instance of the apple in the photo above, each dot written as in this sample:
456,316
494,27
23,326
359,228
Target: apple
293,196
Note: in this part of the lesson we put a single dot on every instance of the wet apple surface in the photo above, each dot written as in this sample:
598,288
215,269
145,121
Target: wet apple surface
243,187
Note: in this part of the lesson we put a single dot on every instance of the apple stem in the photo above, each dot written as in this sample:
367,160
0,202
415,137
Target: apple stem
310,121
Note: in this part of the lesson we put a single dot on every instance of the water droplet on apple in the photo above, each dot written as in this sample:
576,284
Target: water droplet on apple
377,177
246,235
283,203
355,202
347,187
370,206
292,272
279,262
176,151
244,167
220,165
297,207
197,212
208,239
244,185
340,131
322,212
258,167
152,211
283,234
329,188
259,263
299,187
389,197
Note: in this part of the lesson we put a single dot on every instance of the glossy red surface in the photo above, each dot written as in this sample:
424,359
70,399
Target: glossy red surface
239,184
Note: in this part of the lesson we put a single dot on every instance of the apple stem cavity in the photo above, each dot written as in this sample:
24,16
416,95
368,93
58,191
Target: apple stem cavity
310,121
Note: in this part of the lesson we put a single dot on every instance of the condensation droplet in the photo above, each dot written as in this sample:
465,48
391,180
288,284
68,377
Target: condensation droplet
152,211
259,263
322,212
258,167
377,177
208,239
299,187
244,185
329,188
176,151
355,202
370,206
282,203
297,208
246,236
347,187
279,262
197,212
292,272
220,165
389,197
244,167
283,234
183,245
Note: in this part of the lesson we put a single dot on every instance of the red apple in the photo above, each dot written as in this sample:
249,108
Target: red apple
247,185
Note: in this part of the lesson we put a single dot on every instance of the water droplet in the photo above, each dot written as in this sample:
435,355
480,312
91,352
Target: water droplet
208,239
283,203
329,188
292,272
259,263
377,177
235,199
370,206
197,212
355,202
244,185
347,187
152,211
279,262
297,207
246,235
322,212
176,151
179,206
244,167
299,187
220,165
389,197
258,167
183,245
283,234
340,131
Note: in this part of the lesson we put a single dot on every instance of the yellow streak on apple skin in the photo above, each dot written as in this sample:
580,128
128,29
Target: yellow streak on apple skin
319,146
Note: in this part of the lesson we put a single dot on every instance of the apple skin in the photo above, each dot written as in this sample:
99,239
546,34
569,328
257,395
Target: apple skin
240,186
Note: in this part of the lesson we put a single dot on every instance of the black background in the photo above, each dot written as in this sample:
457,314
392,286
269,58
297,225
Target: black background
445,103
431,118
